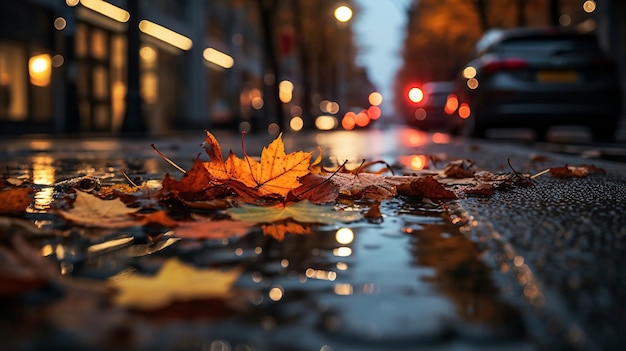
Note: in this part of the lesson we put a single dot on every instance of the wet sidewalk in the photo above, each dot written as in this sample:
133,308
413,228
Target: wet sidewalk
524,269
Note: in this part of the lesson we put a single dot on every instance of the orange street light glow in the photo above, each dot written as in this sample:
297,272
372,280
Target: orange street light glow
217,57
166,35
40,69
106,9
343,13
375,98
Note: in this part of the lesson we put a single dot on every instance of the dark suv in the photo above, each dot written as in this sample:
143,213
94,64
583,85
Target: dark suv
540,77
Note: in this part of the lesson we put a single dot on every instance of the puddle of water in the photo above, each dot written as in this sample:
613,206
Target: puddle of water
413,279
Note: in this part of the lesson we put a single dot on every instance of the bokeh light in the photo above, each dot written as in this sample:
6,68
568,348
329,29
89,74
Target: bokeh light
452,103
60,23
472,83
344,236
589,6
374,112
464,110
325,122
362,119
349,121
296,123
416,94
343,13
375,98
469,72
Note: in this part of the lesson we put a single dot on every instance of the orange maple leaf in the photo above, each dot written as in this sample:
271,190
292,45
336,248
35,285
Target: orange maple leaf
276,173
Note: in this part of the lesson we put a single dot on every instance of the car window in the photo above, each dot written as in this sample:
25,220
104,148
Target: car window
546,45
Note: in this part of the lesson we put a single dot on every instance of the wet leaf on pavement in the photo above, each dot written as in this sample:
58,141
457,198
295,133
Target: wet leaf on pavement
15,200
91,211
575,171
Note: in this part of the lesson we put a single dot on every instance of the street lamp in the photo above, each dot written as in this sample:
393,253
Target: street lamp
343,13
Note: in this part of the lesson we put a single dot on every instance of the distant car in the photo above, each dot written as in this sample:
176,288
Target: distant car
428,102
538,78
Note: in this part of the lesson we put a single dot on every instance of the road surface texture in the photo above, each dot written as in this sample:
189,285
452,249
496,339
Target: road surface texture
547,262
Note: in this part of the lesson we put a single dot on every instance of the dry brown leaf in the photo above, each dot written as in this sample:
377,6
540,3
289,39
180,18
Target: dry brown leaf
575,171
15,200
160,218
427,187
354,184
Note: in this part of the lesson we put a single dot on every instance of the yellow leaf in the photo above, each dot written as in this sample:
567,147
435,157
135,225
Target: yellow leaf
176,281
89,210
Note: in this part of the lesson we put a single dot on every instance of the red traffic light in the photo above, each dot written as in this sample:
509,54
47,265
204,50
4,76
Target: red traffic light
416,94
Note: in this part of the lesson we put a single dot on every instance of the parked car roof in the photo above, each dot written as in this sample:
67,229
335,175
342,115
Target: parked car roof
496,36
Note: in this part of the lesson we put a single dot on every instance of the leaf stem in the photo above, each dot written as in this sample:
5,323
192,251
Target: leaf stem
167,159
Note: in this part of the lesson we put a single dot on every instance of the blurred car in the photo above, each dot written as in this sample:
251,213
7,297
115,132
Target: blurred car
427,104
538,78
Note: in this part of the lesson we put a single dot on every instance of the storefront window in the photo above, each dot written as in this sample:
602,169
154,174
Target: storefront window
13,82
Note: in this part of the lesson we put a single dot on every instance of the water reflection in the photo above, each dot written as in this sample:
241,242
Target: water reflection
460,274
382,283
43,173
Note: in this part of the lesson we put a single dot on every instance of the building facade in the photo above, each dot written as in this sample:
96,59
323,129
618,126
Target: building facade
64,65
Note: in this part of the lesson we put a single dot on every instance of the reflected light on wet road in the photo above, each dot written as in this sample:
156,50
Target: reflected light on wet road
440,138
344,236
43,174
414,162
413,138
340,146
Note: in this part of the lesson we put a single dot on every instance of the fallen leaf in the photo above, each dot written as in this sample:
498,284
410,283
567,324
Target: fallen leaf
315,188
459,169
276,172
354,184
22,268
196,184
175,281
575,171
303,211
15,200
427,187
159,218
91,211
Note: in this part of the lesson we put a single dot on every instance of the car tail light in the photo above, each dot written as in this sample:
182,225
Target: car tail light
416,95
603,63
504,64
464,110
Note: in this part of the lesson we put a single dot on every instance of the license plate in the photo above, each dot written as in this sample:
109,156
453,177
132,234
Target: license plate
557,76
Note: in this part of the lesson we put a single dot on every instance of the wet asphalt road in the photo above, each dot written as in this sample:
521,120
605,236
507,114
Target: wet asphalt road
557,250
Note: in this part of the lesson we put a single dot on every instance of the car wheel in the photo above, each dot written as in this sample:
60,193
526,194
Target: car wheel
603,133
478,129
541,133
